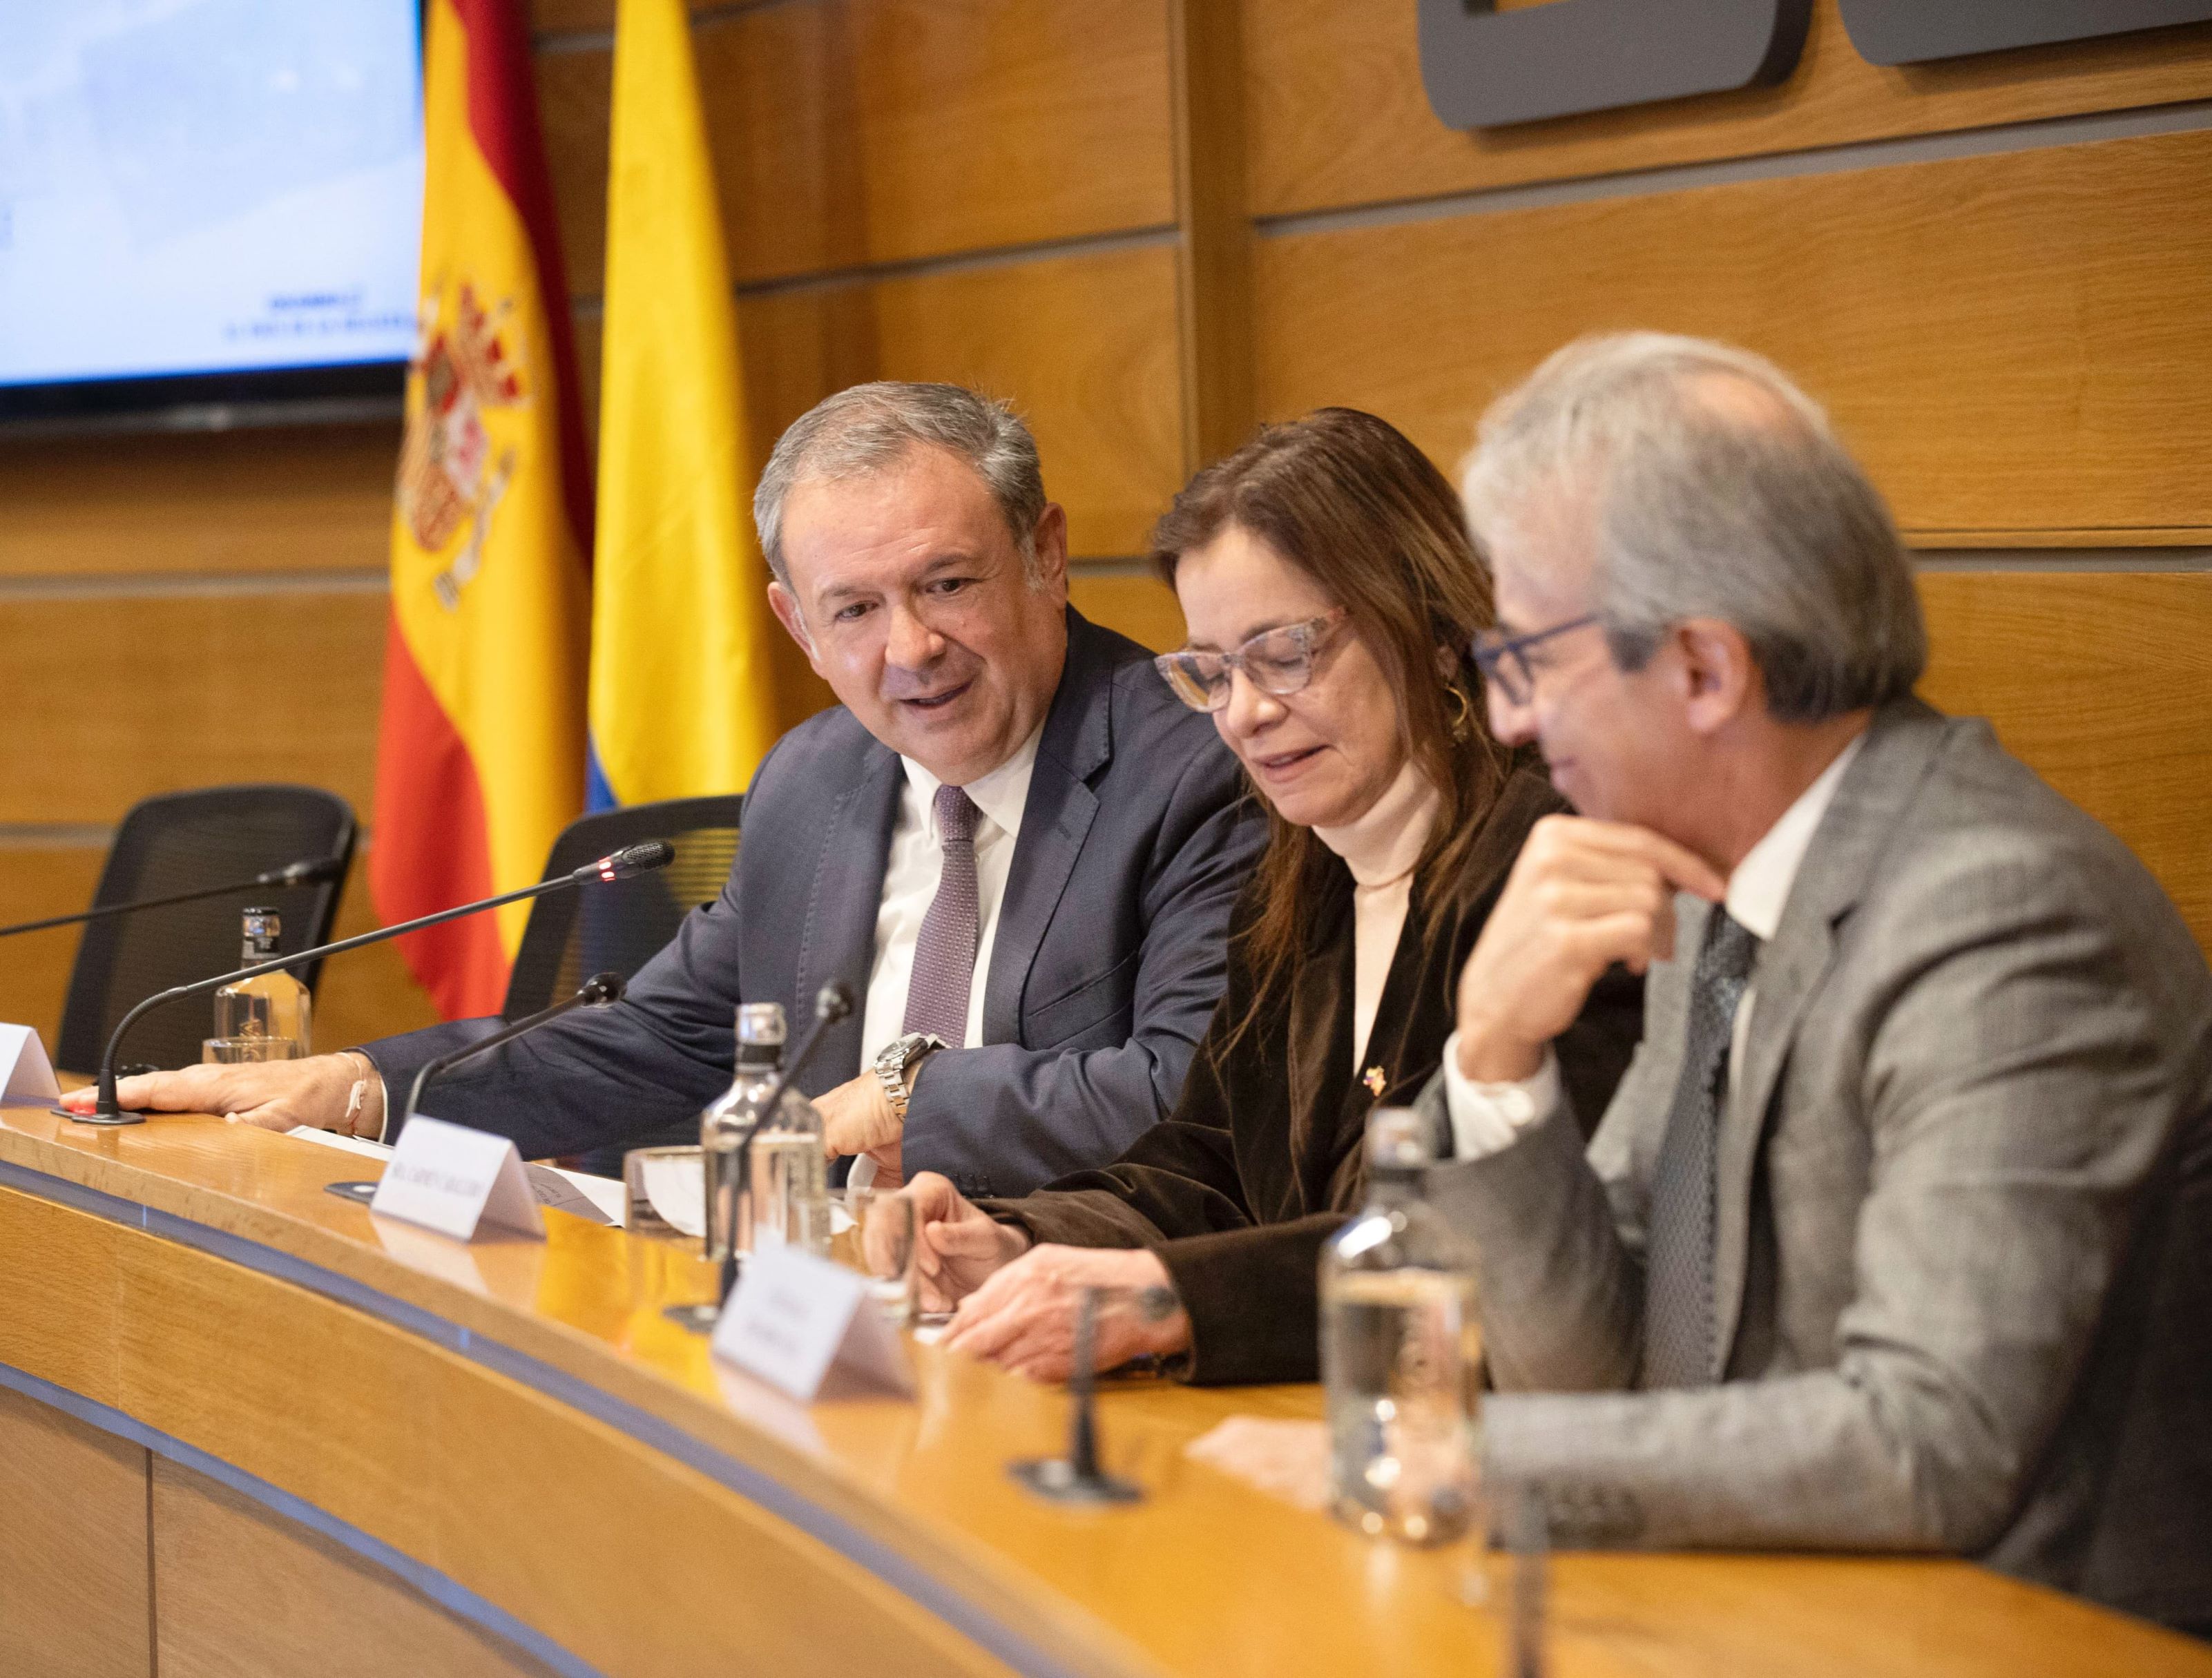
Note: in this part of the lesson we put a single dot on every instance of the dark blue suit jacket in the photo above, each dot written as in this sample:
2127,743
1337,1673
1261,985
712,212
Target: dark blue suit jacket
1107,965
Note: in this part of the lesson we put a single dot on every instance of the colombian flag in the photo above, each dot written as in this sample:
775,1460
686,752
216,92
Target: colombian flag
480,761
683,698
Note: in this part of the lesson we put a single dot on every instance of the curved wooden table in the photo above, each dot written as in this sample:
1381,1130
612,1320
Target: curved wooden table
247,1427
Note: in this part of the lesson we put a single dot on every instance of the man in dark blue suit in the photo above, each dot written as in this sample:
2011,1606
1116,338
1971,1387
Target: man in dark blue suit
1012,840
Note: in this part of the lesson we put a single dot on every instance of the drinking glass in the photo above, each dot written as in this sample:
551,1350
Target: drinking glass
664,1189
878,1242
242,1051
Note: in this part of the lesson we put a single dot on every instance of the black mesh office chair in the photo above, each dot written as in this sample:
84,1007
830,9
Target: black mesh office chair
172,843
619,927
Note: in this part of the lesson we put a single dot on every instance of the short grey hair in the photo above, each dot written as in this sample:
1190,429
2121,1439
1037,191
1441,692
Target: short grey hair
1714,488
870,427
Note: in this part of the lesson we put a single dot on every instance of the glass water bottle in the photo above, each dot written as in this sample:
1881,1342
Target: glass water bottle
267,1018
1401,1351
738,1207
786,1180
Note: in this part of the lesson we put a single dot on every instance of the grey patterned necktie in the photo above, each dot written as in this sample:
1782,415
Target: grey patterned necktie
944,954
1679,1329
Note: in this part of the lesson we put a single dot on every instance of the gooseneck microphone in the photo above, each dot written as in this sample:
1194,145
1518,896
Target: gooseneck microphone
323,869
629,860
596,992
832,1003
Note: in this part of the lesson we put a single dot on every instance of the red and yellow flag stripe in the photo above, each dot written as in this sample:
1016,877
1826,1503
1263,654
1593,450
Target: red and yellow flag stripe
480,759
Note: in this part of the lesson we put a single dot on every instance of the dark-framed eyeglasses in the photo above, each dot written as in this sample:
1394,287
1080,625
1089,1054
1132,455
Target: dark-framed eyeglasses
1275,661
1504,659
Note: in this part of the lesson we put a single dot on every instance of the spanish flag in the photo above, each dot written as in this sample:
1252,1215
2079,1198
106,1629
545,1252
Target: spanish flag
480,761
682,696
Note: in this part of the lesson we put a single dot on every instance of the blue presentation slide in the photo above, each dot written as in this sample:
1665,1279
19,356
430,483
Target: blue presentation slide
207,185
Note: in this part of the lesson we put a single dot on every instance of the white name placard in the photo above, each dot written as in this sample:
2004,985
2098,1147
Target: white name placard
793,1318
29,1076
449,1178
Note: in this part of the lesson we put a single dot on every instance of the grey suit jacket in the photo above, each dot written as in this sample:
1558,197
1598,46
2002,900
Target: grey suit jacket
1107,961
1957,1261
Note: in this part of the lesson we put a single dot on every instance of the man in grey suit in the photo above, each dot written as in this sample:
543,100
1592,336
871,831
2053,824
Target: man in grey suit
1895,1235
1016,844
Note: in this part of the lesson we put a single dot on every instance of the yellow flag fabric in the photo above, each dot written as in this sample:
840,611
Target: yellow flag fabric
480,757
682,683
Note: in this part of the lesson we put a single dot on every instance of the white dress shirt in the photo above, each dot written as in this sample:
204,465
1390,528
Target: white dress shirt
1487,1117
911,872
1381,848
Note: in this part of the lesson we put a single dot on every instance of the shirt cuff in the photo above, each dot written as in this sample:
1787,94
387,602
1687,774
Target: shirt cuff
1489,1118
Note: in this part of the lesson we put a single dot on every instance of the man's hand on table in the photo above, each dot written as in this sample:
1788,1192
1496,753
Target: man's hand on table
1583,894
1022,1319
276,1095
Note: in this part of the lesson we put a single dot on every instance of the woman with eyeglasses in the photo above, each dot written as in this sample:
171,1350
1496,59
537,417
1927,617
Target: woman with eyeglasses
1332,599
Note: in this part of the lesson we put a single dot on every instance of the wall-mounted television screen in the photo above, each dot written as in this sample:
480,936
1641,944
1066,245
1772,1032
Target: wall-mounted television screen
206,202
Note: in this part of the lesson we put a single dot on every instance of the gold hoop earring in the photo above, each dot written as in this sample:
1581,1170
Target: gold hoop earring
1462,722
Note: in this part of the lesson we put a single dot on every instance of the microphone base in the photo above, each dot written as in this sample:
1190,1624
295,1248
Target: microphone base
120,1118
694,1319
1056,1480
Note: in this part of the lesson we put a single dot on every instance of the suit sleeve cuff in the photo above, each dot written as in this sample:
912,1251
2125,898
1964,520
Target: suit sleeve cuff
1489,1118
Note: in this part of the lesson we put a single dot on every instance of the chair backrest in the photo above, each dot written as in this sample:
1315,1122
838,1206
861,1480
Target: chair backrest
175,843
619,927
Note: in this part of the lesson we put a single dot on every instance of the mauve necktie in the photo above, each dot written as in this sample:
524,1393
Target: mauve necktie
1680,1331
944,954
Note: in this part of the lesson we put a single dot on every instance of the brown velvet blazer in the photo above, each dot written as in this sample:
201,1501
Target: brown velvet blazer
1261,1162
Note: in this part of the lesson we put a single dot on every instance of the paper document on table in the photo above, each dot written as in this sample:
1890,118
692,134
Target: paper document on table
595,1199
675,1189
330,1138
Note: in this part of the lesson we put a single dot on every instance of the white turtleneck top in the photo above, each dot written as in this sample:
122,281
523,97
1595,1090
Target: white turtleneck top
1381,848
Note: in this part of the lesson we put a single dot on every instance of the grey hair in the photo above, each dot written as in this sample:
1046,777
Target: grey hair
1715,488
870,427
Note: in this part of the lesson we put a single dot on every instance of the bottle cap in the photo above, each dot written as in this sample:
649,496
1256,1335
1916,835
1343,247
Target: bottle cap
760,1023
264,927
1397,1140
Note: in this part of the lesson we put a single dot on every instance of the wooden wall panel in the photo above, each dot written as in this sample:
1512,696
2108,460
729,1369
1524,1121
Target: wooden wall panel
37,880
855,132
1998,338
851,132
575,91
1141,607
201,689
73,1573
1338,116
1084,346
243,1593
299,499
2102,681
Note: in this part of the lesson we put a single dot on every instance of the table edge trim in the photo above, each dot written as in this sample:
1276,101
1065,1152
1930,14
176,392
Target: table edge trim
825,1526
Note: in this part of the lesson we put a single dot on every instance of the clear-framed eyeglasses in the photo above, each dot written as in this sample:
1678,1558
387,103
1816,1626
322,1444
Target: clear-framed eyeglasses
1504,659
1276,661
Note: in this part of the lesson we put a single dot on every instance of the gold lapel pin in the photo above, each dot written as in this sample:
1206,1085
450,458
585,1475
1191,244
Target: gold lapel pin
1373,1078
